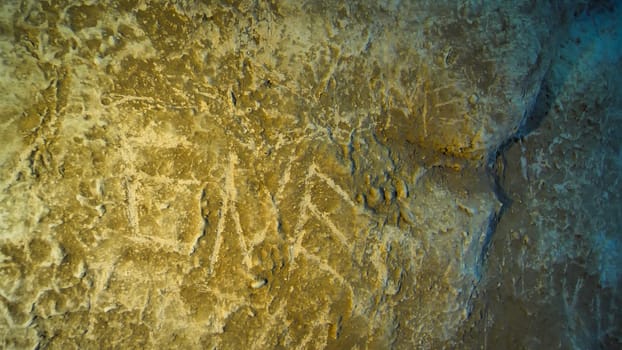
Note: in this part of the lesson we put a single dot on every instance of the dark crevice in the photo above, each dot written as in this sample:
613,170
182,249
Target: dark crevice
535,113
496,161
533,118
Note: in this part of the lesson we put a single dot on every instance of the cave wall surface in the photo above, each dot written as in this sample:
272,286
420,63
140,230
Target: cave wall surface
278,174
553,275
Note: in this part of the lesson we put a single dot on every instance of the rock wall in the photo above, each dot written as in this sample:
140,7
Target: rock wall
556,251
255,174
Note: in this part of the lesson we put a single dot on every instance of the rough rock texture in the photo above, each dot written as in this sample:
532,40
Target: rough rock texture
556,254
255,174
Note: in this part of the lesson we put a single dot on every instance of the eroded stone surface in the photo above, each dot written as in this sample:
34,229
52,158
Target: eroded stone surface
556,253
252,175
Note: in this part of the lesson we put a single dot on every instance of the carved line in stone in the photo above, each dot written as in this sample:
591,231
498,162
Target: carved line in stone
149,240
229,198
323,265
331,183
336,232
284,179
132,212
303,216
